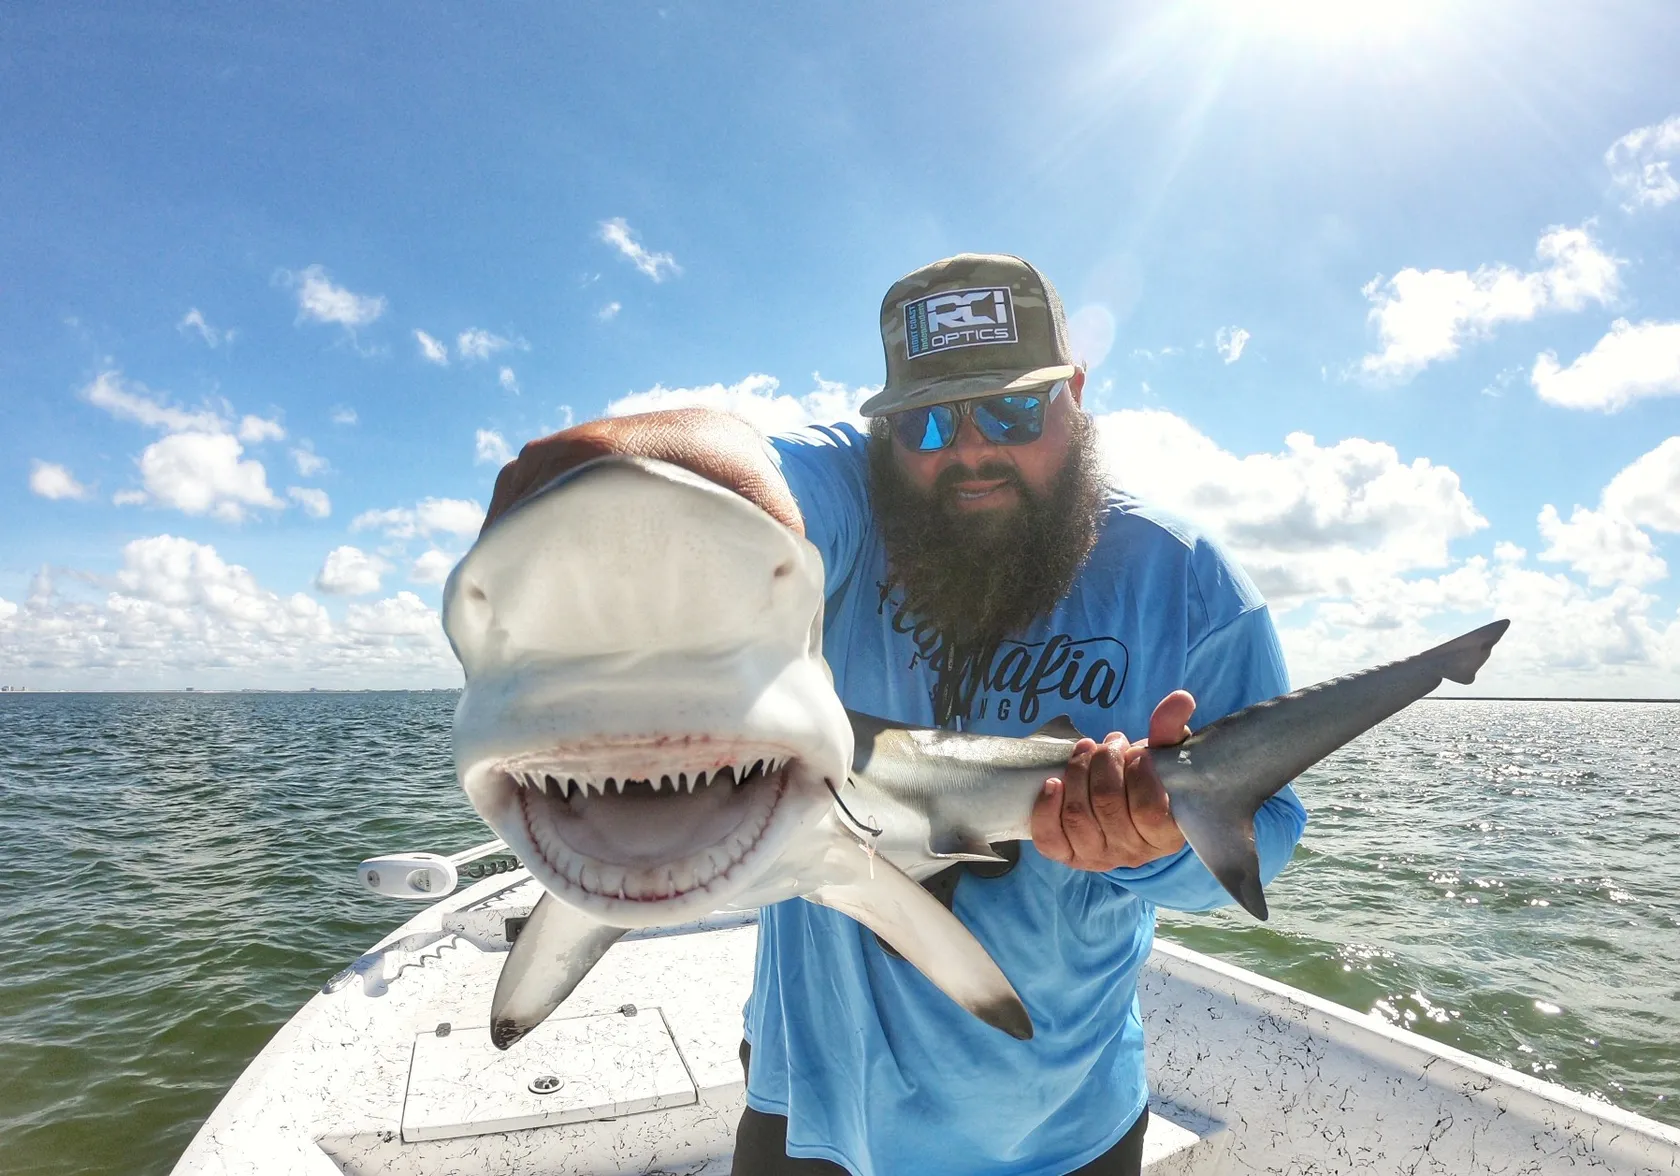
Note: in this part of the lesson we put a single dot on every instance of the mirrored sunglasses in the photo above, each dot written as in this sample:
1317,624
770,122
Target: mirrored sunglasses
1009,418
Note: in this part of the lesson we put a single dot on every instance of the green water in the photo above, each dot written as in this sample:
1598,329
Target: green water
177,877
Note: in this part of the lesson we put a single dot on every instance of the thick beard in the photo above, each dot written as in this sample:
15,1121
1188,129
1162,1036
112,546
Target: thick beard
979,577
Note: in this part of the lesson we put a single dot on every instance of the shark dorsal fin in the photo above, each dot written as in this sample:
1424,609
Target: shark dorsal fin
1060,727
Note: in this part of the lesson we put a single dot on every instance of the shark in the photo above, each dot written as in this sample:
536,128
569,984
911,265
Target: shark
648,722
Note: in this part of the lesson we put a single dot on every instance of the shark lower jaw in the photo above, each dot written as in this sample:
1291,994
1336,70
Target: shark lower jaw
634,837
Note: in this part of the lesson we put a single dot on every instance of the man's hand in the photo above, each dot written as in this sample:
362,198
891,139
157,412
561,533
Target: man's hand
1109,809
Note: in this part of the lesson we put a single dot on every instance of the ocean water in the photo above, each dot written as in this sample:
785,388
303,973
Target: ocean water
177,876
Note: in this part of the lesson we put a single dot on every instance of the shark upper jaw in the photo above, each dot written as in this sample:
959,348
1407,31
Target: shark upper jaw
653,831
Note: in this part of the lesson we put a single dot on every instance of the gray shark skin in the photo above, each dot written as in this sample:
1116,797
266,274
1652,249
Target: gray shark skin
939,796
649,723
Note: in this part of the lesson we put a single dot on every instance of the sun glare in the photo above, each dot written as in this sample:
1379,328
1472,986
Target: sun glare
1335,20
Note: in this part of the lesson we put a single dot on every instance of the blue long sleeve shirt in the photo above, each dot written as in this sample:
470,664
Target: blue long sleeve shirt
874,1068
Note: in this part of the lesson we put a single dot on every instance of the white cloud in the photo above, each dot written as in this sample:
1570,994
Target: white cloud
1564,639
1648,491
1632,362
403,615
343,415
433,567
1307,522
315,502
491,448
319,299
609,312
1598,637
1607,545
1603,546
128,400
1641,164
8,610
1422,316
508,381
198,467
618,233
50,480
477,343
757,400
1230,342
177,614
432,350
1559,626
253,430
193,321
202,474
350,571
308,462
430,516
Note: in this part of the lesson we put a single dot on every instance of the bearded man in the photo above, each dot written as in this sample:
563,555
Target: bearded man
982,576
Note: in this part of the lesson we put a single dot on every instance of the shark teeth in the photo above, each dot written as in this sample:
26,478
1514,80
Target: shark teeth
567,784
593,865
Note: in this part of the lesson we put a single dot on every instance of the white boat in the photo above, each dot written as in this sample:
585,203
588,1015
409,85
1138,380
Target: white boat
390,1069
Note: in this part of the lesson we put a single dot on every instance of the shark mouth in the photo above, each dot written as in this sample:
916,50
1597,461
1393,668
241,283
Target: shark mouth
612,828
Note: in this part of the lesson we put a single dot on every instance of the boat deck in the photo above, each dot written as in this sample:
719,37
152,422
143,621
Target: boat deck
390,1070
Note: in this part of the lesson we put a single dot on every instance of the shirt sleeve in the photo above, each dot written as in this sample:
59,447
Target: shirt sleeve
827,471
1233,666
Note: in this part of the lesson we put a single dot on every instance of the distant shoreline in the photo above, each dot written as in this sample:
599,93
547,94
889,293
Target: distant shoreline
1532,698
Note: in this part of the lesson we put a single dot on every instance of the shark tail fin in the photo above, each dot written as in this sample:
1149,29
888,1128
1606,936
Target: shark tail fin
920,929
1460,658
551,956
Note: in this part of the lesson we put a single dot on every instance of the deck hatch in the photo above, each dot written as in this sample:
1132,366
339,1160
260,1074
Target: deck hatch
571,1070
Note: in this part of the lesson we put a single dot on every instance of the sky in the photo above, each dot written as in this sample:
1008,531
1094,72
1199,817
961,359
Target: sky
1384,297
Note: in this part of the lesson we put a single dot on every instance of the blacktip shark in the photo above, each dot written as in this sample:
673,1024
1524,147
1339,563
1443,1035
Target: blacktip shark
648,722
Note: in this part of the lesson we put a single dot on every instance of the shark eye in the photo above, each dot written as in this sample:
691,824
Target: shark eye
785,568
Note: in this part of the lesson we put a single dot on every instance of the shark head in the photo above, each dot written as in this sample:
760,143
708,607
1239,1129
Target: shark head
647,720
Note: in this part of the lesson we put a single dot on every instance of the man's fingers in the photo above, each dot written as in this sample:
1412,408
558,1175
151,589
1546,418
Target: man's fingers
1106,784
1170,722
1048,837
1079,821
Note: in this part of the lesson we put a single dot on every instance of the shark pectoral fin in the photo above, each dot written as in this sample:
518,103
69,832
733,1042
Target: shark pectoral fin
555,951
965,847
1222,834
1061,727
921,930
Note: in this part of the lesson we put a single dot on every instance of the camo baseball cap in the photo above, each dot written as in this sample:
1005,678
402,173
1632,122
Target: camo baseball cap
967,326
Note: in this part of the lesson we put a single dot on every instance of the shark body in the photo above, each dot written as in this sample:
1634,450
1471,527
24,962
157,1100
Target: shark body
649,723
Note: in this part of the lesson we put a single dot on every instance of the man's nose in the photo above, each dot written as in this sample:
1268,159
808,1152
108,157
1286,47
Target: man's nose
970,446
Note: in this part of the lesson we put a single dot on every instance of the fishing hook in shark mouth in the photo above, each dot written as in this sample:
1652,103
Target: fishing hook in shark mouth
615,825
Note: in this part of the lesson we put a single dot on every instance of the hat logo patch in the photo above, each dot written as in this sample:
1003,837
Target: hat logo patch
959,318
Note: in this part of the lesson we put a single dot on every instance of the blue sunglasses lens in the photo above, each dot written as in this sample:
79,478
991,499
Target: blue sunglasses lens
1010,420
1002,420
926,430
